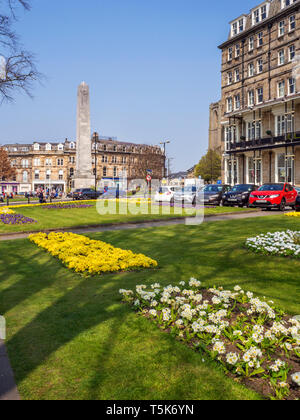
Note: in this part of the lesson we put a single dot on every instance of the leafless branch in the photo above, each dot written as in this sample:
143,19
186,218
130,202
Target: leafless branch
17,67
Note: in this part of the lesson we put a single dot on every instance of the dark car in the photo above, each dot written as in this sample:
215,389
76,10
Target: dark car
114,193
213,194
239,195
86,194
297,206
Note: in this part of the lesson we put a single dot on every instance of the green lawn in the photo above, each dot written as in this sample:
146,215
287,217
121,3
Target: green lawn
69,337
70,218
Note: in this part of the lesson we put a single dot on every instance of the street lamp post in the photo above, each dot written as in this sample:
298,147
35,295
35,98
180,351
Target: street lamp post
96,138
164,143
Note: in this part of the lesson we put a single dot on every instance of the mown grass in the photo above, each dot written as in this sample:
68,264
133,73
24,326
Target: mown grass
70,337
71,218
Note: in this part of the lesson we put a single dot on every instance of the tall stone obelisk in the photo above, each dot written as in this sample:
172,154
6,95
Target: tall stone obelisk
83,175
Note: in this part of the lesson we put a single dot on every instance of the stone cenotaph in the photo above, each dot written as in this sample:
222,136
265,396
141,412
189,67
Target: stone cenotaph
83,174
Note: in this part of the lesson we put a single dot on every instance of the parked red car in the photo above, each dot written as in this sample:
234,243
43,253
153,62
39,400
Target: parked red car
276,196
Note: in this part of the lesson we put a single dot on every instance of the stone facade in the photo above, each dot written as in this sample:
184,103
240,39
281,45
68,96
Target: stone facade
83,173
53,165
258,130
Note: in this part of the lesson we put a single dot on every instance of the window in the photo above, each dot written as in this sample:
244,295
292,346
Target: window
237,50
281,57
291,86
48,174
251,98
37,162
60,147
229,104
281,89
292,23
260,39
260,14
104,171
25,163
229,78
286,3
259,66
104,159
71,171
260,95
230,136
25,176
48,162
115,171
36,175
251,170
61,175
72,145
251,70
292,52
36,146
280,125
251,131
237,27
60,162
236,75
230,54
48,147
281,28
290,123
251,43
281,167
237,102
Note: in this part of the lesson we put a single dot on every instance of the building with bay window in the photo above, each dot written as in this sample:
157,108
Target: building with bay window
258,125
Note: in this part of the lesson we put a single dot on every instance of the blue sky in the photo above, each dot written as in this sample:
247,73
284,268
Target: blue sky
153,68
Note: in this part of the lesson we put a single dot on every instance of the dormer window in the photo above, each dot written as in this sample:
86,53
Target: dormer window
60,147
72,145
260,14
237,26
36,146
286,3
48,147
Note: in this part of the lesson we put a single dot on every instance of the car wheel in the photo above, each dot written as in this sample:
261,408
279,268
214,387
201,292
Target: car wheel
282,205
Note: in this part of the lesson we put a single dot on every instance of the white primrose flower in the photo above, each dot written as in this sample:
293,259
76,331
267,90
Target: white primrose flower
232,358
219,347
153,312
296,378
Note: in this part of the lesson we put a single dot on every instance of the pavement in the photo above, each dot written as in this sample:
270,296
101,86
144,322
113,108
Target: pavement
8,388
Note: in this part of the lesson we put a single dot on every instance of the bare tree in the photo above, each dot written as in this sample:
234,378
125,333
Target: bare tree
17,66
147,160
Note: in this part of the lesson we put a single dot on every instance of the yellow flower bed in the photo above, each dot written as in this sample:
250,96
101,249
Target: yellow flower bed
85,255
6,210
293,214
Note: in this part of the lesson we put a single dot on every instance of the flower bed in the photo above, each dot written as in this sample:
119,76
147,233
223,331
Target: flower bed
293,214
16,219
253,341
88,256
285,243
6,210
63,206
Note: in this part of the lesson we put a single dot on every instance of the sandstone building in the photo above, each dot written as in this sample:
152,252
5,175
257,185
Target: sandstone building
256,125
53,165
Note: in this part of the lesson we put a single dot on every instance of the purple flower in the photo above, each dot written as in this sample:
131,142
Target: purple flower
16,219
67,206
